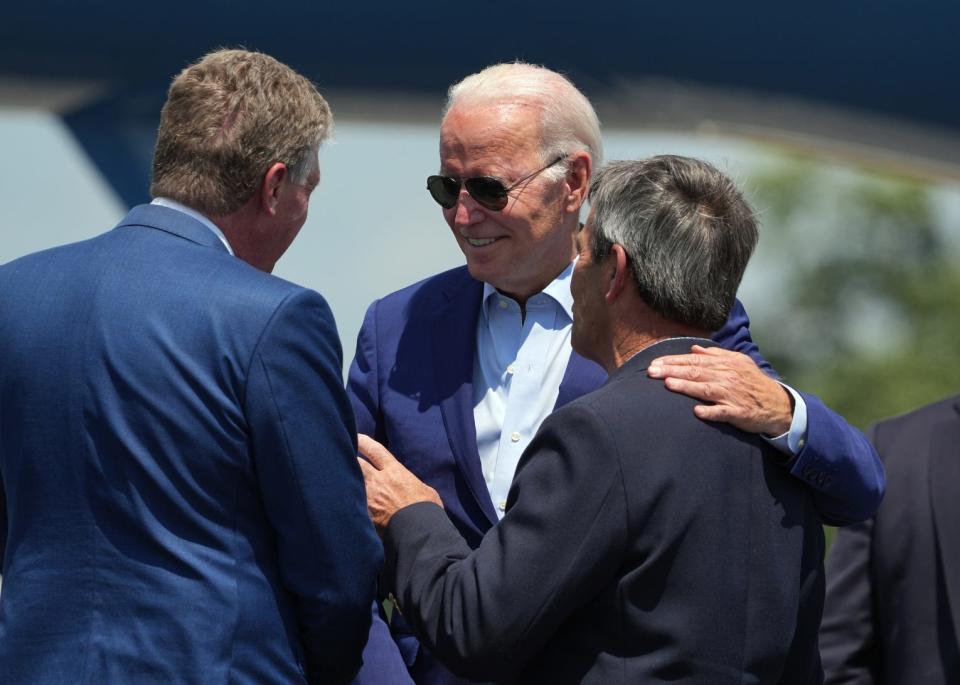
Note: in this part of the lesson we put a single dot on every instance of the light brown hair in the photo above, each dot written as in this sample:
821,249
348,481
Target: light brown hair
227,119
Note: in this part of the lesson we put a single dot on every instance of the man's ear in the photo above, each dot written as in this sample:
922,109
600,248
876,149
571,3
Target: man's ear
618,267
270,187
579,170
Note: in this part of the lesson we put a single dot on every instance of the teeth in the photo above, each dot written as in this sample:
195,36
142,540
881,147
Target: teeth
480,242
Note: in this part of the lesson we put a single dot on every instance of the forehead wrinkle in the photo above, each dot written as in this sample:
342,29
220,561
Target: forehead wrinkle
493,137
500,155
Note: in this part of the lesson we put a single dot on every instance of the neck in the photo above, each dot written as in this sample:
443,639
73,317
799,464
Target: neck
246,239
629,338
521,295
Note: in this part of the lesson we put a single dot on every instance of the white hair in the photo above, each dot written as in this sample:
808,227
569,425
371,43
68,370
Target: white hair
568,122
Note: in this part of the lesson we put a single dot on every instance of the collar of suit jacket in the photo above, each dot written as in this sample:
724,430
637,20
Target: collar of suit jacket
173,222
669,346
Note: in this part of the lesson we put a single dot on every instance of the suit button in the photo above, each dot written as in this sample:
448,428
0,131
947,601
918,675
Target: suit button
515,436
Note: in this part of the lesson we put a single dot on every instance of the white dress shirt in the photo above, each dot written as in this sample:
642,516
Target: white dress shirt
517,371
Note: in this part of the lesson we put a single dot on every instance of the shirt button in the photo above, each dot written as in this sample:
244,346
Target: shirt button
502,506
515,436
801,442
510,369
503,304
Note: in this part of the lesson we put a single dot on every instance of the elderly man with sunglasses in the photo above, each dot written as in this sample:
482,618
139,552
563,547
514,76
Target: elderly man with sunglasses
455,374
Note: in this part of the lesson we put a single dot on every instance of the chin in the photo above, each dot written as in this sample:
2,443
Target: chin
484,272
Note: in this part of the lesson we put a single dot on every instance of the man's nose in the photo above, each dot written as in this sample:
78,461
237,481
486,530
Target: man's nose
467,211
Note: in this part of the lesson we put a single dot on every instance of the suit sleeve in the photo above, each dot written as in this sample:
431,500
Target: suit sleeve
382,662
304,454
847,645
735,335
484,613
837,462
846,633
3,523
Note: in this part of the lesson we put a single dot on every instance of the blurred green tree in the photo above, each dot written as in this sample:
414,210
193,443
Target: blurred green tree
869,315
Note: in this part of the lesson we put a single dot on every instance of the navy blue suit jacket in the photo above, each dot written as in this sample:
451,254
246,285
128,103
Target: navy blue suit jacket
892,614
180,499
411,386
639,545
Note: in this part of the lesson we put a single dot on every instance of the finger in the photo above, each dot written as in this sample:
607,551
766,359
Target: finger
721,357
700,349
374,452
723,414
703,357
677,360
718,353
690,373
367,469
714,412
697,390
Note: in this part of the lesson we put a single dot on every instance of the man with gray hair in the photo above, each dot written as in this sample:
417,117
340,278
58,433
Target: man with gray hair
639,543
456,373
179,495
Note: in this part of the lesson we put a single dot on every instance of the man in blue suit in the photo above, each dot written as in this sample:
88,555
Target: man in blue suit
180,499
456,373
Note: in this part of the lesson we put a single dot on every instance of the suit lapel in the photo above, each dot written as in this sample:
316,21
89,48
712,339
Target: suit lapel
945,500
581,376
454,340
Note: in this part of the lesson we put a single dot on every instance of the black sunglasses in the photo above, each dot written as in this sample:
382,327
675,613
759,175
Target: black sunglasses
488,191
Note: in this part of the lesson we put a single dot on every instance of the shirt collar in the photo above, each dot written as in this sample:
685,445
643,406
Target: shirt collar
558,290
194,214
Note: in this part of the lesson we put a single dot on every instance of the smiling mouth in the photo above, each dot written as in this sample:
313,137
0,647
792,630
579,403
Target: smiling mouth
480,242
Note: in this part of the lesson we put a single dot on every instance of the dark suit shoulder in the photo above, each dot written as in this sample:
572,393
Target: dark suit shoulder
657,432
898,437
937,411
645,399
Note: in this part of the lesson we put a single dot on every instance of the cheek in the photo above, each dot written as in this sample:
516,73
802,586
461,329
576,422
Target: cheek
531,218
450,215
539,223
576,281
303,202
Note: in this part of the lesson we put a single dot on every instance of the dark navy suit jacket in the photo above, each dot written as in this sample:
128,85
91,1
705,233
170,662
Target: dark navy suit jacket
180,499
639,545
893,583
411,386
